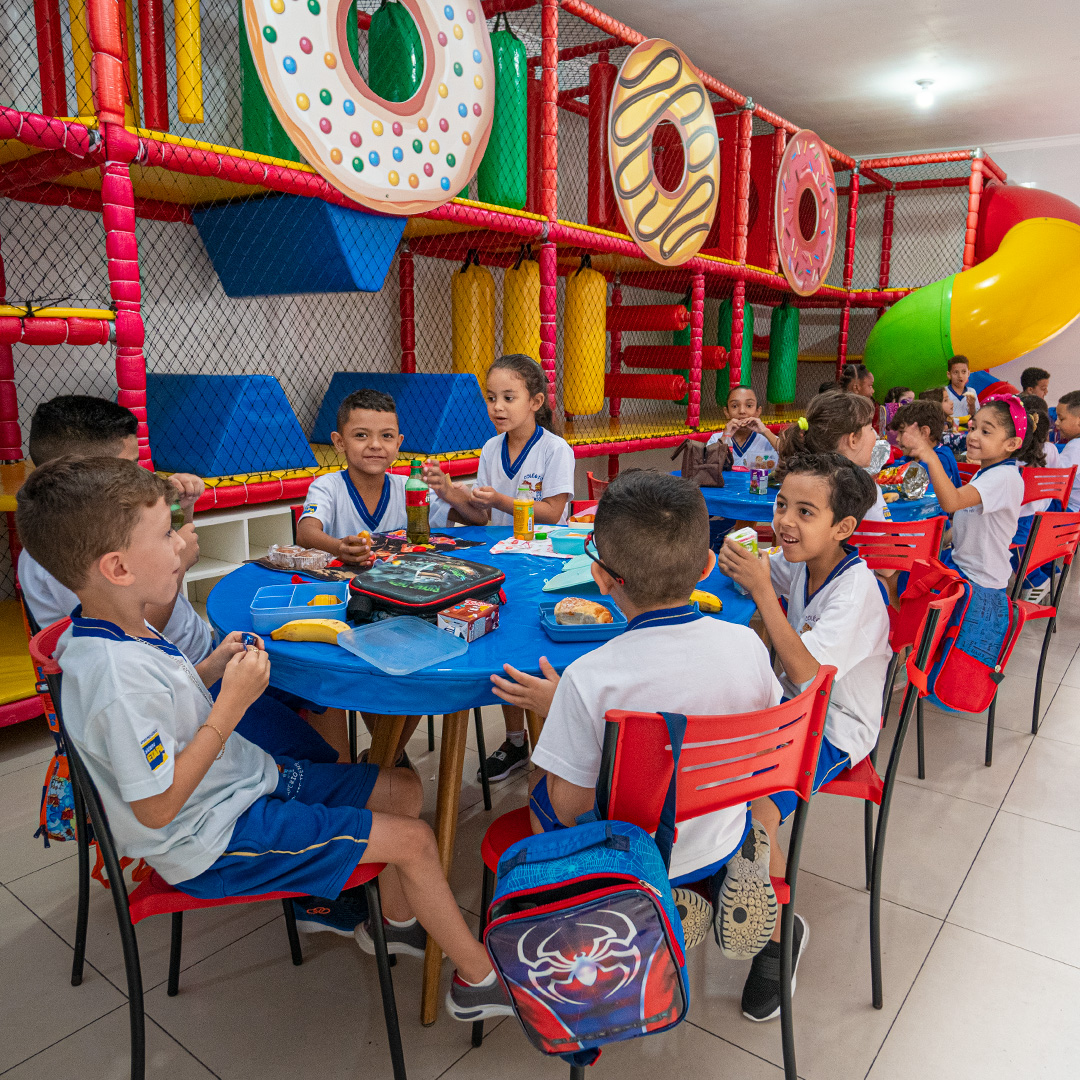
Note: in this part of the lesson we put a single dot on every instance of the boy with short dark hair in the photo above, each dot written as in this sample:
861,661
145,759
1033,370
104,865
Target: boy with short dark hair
753,445
835,615
954,439
207,809
930,420
1067,425
965,402
650,549
1035,380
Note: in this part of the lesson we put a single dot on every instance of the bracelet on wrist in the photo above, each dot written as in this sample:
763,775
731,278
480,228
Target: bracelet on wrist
221,738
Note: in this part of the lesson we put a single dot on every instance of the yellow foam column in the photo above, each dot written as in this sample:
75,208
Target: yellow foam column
521,309
189,88
472,309
82,57
584,342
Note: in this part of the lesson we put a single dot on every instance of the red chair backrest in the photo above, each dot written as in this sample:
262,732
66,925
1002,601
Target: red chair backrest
897,545
43,645
1048,484
967,470
1052,536
929,581
930,638
596,487
720,757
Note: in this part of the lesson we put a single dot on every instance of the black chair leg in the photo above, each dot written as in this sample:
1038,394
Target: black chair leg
386,981
430,733
1039,676
919,739
175,945
481,749
350,720
868,828
83,914
486,893
577,1072
890,682
990,732
787,936
290,928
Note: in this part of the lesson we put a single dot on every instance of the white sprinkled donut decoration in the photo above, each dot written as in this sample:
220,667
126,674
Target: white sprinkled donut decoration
397,157
805,167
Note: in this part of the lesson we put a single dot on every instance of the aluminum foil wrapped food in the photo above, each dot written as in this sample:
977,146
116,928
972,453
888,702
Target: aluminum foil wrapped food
911,480
879,456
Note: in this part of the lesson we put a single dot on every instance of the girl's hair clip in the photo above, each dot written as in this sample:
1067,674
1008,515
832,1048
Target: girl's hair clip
803,423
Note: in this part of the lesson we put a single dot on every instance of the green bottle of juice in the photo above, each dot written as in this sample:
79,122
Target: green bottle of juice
416,506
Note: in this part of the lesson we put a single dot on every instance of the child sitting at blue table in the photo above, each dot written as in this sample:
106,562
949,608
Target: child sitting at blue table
835,615
1037,583
930,420
525,454
343,509
753,445
210,811
1067,427
650,550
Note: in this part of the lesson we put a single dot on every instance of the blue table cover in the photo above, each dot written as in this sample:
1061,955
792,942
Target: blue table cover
735,501
331,676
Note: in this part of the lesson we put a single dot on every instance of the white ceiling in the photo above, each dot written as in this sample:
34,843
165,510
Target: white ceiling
1004,70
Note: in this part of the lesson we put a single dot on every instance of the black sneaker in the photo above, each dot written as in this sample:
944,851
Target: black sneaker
408,940
317,914
695,914
761,991
468,1003
504,761
745,902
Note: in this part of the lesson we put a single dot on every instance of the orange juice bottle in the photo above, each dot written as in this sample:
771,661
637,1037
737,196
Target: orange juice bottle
524,507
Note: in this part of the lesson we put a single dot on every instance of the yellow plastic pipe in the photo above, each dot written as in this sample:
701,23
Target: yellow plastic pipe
584,342
189,88
1027,292
521,309
472,317
82,57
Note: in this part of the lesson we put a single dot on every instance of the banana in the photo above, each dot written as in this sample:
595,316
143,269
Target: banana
706,601
310,630
325,600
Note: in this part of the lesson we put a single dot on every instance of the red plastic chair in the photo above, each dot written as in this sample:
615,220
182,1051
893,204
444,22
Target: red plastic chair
1052,537
1048,484
967,470
635,770
596,487
154,896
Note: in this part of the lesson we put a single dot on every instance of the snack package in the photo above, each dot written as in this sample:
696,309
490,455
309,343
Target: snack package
747,537
469,620
293,557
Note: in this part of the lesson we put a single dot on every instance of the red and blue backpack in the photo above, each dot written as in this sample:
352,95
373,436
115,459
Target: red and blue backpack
584,934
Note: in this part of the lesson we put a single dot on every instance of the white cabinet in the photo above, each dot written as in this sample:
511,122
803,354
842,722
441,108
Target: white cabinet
228,537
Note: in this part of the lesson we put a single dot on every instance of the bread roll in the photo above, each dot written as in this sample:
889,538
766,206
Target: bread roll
574,611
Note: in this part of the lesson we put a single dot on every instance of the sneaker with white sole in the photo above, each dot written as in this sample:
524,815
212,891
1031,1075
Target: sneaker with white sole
467,1002
745,904
696,915
504,761
317,914
1037,594
408,940
761,991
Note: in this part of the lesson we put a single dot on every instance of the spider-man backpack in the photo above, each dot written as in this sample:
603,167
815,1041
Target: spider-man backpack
584,935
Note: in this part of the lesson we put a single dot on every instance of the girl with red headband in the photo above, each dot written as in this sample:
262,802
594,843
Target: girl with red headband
985,511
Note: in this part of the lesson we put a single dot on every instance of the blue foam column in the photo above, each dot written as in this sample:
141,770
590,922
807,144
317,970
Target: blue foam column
292,244
437,414
220,425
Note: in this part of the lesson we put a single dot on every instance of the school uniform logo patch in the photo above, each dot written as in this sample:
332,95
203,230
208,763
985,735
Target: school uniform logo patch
154,752
310,508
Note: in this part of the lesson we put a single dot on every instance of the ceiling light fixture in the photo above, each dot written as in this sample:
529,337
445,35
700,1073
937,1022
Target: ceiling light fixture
924,97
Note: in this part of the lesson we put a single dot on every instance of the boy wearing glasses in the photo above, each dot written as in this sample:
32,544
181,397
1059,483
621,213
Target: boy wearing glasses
650,549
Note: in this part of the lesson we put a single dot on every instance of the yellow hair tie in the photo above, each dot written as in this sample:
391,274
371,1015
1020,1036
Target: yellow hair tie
803,423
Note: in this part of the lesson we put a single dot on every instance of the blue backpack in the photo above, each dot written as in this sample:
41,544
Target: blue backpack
584,934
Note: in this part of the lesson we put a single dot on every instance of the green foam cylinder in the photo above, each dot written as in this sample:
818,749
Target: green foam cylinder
910,345
395,53
783,354
502,176
262,132
723,337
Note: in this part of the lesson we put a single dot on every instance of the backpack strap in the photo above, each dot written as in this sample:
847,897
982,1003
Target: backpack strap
665,831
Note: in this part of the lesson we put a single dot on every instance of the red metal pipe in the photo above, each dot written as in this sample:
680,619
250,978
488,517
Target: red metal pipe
549,113
44,167
10,433
674,357
779,144
579,108
648,317
633,446
406,310
910,185
914,159
742,184
603,210
548,300
975,186
50,57
45,132
697,359
849,270
48,331
155,90
615,404
994,169
87,199
646,387
497,7
532,114
886,243
738,318
574,52
109,71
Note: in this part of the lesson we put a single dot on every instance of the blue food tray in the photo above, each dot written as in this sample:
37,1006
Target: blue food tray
587,631
275,605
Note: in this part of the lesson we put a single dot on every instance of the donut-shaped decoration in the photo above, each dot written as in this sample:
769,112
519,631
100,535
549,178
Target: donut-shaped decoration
657,82
805,212
397,157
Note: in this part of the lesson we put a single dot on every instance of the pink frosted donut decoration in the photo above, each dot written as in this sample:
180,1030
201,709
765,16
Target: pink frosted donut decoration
378,152
805,213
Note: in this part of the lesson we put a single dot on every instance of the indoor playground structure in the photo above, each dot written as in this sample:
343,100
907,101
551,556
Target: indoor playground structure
229,213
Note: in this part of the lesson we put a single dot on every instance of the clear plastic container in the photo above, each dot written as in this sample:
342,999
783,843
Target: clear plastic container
275,605
292,557
402,645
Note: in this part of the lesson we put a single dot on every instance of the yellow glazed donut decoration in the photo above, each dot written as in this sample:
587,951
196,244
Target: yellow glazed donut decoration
657,82
358,142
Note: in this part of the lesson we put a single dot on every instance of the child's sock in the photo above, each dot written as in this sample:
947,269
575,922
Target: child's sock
402,925
516,738
489,981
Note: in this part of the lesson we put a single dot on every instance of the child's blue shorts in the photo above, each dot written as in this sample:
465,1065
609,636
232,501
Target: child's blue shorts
540,805
273,725
306,836
831,763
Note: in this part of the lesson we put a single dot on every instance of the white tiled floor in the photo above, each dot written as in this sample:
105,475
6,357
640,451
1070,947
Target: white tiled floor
981,947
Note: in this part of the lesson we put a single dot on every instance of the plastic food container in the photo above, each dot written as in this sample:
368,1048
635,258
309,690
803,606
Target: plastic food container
292,557
402,645
275,605
587,631
569,541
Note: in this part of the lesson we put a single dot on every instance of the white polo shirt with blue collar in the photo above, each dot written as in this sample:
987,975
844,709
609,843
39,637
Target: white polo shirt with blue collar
336,504
545,465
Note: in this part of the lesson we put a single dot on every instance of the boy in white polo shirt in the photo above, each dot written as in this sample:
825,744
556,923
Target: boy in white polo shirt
651,549
208,810
1067,426
835,615
753,445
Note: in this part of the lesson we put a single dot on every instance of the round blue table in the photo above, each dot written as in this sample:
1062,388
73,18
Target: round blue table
734,501
332,676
